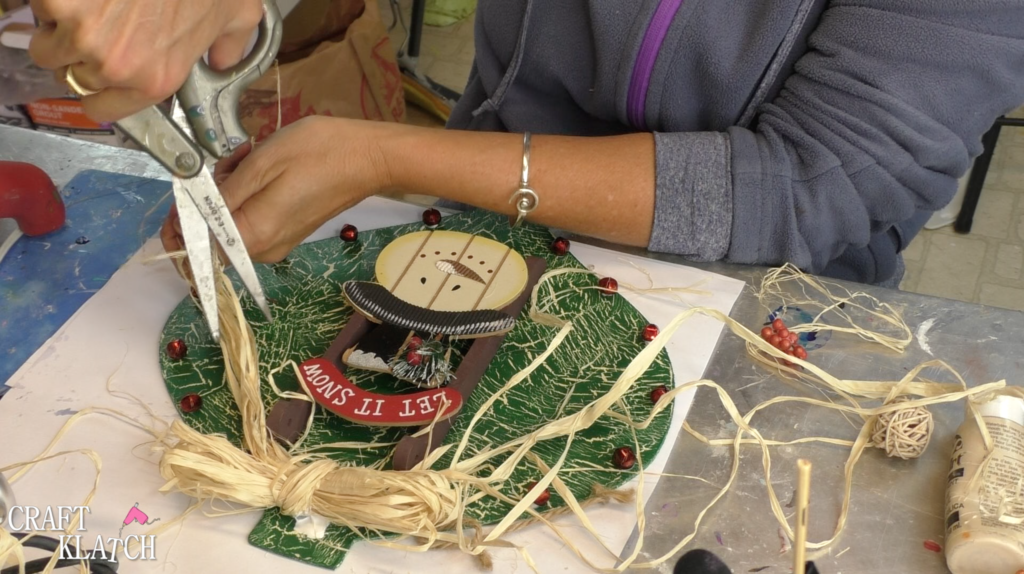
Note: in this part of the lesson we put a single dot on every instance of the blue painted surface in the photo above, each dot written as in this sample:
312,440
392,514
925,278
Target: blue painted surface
793,316
44,280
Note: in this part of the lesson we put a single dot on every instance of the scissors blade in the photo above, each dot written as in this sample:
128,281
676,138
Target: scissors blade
207,199
200,254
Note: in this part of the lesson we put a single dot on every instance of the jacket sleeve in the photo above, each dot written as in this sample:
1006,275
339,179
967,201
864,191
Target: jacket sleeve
879,119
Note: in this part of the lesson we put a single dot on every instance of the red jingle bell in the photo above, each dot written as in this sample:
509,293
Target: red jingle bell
560,246
177,349
190,403
349,233
657,393
624,458
608,286
431,218
542,498
650,332
415,343
414,358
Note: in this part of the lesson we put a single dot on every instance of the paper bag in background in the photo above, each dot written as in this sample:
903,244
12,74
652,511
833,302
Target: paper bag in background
315,21
355,75
8,5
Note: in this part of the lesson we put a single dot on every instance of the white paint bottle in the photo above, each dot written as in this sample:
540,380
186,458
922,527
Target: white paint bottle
985,502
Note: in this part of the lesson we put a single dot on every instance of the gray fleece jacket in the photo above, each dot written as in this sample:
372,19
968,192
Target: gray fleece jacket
817,132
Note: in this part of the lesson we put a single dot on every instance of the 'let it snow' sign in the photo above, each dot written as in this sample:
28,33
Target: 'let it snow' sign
337,394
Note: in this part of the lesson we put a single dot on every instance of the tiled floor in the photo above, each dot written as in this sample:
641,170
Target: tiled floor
986,266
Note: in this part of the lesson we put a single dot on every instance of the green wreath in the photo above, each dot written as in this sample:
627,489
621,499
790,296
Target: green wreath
309,310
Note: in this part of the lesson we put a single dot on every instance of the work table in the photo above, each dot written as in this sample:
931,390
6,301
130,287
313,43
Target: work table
896,505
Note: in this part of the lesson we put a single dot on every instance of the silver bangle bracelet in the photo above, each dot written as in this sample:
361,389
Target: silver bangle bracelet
525,198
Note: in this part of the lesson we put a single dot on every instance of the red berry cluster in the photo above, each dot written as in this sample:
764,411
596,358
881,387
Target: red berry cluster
779,337
413,357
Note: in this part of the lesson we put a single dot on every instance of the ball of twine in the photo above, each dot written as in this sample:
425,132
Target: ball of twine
903,433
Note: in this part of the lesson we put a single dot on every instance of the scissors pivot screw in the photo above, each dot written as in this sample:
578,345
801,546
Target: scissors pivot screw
185,161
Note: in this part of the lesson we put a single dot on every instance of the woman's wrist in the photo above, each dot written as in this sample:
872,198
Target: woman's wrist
476,168
366,140
406,153
361,149
382,141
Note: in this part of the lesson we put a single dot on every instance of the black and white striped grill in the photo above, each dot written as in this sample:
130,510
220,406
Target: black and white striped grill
379,304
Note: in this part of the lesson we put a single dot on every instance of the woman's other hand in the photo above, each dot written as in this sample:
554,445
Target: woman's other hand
284,189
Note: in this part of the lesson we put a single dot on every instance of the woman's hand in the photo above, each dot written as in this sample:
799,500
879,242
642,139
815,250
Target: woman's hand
287,187
138,52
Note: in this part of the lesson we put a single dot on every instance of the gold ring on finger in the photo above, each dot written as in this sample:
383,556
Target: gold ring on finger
69,77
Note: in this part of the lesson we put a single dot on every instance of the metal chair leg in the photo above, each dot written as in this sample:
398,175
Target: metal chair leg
419,11
419,88
965,219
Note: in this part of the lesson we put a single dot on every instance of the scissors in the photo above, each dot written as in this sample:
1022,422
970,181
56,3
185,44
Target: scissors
204,124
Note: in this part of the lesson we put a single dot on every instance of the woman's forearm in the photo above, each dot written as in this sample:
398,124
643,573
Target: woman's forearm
600,187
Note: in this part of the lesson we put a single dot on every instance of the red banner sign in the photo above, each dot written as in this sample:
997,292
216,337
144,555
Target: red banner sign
337,394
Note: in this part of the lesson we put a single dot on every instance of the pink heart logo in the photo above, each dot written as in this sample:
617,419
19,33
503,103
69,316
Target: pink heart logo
136,515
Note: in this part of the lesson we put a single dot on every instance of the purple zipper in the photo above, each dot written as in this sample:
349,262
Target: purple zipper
643,68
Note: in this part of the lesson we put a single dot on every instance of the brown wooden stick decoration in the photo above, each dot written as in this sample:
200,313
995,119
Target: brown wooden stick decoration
287,418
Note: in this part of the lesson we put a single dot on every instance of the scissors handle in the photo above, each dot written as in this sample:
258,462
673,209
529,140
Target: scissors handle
167,142
210,98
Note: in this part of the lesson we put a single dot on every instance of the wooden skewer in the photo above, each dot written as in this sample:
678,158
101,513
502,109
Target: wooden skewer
803,499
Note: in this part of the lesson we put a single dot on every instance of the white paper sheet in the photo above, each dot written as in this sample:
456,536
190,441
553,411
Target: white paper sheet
118,330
